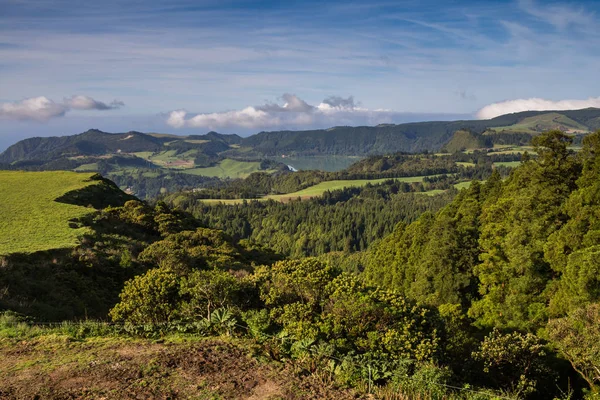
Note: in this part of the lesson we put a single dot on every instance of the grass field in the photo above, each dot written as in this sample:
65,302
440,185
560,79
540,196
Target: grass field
322,163
541,123
30,219
317,190
459,186
169,158
510,164
87,167
320,188
124,171
227,168
464,185
512,149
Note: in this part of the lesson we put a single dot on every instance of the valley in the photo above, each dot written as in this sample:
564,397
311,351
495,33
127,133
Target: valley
255,280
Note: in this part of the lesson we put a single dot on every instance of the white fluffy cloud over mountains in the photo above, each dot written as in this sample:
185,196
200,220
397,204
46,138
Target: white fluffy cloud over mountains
87,103
294,112
42,108
535,104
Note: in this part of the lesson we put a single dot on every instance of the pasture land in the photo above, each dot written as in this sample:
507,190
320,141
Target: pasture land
544,122
509,164
30,218
227,168
318,189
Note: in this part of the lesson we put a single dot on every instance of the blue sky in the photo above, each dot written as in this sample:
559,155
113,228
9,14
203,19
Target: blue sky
246,66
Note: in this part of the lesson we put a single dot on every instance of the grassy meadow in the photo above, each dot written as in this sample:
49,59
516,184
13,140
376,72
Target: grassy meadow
540,123
322,163
227,168
30,219
318,189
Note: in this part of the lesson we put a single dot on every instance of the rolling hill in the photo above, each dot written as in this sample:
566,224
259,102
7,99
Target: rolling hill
345,140
413,137
40,210
465,140
150,164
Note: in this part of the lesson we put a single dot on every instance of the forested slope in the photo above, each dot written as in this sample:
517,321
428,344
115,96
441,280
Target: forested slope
513,253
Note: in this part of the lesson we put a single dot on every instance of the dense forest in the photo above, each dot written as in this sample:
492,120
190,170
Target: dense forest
342,220
487,292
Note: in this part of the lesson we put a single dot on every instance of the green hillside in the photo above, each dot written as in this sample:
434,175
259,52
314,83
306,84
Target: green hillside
148,165
35,208
545,122
227,168
465,140
320,188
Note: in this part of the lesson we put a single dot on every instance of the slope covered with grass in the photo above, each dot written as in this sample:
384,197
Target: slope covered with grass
227,168
31,218
320,188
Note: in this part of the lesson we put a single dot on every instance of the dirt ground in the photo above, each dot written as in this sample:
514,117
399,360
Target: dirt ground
61,368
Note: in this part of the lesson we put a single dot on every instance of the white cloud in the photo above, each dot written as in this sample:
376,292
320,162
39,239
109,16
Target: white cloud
295,112
80,102
292,104
177,118
42,108
535,104
560,16
35,108
339,102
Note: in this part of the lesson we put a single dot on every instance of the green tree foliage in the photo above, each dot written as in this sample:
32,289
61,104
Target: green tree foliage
151,298
311,300
295,281
513,272
347,220
432,259
573,250
513,361
512,252
577,337
205,291
202,248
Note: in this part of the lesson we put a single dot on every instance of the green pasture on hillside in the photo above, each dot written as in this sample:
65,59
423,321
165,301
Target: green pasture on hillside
509,164
540,123
318,189
30,219
227,168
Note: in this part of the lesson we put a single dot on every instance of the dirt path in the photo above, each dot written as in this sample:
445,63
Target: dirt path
57,368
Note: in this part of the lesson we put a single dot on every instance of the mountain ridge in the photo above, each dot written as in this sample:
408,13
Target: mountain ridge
338,140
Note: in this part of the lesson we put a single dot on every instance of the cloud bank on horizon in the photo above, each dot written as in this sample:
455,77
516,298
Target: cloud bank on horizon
294,112
535,104
42,109
335,110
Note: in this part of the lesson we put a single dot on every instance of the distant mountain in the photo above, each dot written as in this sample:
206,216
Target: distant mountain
415,137
342,140
90,143
148,164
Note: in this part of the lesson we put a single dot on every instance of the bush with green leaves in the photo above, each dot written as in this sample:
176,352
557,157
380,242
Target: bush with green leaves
516,362
152,298
577,337
202,292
